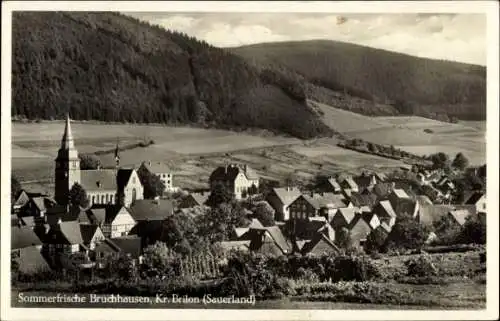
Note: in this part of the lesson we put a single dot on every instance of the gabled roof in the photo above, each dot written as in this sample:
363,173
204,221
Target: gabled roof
474,198
363,180
21,199
286,195
279,238
111,211
387,209
400,193
255,224
157,167
151,210
88,231
98,179
229,172
71,231
348,213
460,216
334,184
326,199
22,237
240,231
28,220
199,198
129,244
235,245
123,176
313,245
359,229
43,202
350,182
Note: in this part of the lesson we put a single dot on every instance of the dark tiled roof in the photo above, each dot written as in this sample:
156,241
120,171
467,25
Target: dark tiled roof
71,231
123,176
225,173
474,198
363,181
150,210
157,167
22,237
129,244
88,231
98,180
286,195
318,245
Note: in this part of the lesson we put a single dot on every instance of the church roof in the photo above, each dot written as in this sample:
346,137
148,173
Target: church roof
98,180
123,176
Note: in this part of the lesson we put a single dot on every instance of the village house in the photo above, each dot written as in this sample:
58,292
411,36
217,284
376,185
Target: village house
63,239
103,186
164,173
151,210
320,244
359,231
280,199
402,203
385,213
238,180
459,216
269,241
115,247
194,199
343,218
117,221
371,219
365,181
349,184
91,235
26,251
312,226
478,200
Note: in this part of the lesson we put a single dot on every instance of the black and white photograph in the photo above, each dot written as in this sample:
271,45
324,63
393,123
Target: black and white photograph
205,157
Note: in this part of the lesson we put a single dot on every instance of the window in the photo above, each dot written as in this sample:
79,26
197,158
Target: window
134,194
484,206
102,199
93,199
133,180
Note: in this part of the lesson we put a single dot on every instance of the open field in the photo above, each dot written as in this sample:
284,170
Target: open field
408,133
192,152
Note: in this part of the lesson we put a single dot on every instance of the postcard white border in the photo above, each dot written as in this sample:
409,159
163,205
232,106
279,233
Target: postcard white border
490,8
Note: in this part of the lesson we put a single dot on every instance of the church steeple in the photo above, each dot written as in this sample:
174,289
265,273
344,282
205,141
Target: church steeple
67,166
67,139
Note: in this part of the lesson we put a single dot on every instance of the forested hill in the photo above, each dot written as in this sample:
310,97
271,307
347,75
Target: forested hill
411,85
111,67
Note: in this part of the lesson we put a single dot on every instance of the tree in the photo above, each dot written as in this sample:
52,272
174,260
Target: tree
473,230
375,240
343,239
89,161
217,224
446,230
153,186
15,187
440,160
407,233
158,259
218,195
78,196
372,148
460,162
264,213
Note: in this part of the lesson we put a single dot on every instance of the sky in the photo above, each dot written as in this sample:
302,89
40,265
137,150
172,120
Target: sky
458,37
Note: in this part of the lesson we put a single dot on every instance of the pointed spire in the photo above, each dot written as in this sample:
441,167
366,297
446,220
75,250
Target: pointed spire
67,139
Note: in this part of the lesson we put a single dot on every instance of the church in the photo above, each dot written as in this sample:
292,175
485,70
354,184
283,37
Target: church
103,186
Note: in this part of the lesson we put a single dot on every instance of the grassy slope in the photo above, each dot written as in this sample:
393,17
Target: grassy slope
454,88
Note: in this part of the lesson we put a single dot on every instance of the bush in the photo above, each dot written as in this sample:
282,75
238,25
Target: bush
351,268
421,266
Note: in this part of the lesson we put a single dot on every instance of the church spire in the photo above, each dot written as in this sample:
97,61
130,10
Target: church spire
67,139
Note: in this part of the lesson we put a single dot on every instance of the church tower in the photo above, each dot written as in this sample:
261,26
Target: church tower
67,166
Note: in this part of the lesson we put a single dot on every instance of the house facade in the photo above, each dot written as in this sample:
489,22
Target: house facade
238,180
117,222
164,173
280,199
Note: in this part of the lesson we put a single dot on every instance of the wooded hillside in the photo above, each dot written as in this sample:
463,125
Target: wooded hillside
111,67
393,82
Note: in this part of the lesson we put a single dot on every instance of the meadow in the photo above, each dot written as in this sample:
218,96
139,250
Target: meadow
191,152
413,134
